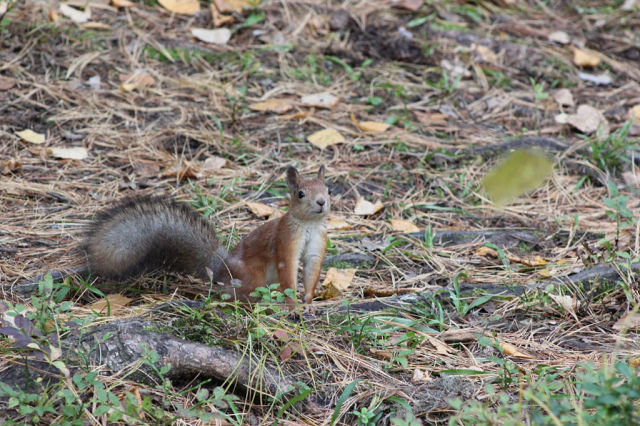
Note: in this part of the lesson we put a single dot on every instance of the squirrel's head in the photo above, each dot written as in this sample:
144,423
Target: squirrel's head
309,197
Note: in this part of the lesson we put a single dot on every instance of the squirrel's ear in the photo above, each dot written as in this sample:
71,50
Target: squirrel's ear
321,173
293,178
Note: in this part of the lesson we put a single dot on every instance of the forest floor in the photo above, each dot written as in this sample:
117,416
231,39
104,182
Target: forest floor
442,306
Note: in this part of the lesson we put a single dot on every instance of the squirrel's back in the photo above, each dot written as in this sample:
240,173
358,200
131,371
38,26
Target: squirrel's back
143,234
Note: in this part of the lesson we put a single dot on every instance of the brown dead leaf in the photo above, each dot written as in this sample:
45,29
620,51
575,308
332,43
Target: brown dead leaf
585,58
569,303
440,347
340,279
219,36
369,126
634,113
6,83
512,350
53,15
320,100
588,120
137,80
184,7
634,362
631,178
95,26
213,163
182,171
563,97
402,225
366,208
431,118
420,375
116,303
11,166
325,138
219,19
260,209
30,136
75,153
489,252
629,321
279,106
484,54
411,5
560,37
337,223
232,6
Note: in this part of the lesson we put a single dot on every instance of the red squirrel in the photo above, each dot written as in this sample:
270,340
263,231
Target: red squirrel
150,233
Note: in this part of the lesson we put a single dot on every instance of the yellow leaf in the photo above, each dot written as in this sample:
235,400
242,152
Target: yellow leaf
403,225
634,362
95,26
521,172
320,100
338,224
260,209
364,207
325,138
486,252
30,136
585,58
185,7
131,82
511,350
635,113
369,126
122,3
236,6
116,302
77,153
336,281
279,106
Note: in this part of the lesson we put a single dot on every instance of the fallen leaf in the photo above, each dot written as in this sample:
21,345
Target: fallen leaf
563,97
559,37
512,350
587,119
420,376
628,5
325,138
411,5
76,15
218,36
634,362
568,303
337,224
485,251
432,118
336,281
185,7
562,118
76,153
260,209
631,178
119,4
213,163
320,100
279,106
403,225
95,26
30,136
484,54
369,126
11,166
53,15
182,171
116,302
289,349
629,321
603,79
519,173
634,113
339,278
219,19
232,6
585,58
365,208
6,83
280,334
137,80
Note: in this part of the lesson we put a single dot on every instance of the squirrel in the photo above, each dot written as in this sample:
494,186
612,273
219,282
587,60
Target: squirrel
151,233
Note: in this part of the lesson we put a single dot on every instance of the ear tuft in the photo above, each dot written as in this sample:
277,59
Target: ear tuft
321,173
293,178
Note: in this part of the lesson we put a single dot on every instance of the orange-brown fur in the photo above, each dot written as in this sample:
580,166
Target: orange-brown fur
272,252
145,234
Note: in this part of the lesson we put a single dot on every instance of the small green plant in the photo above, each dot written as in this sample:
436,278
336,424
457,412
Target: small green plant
612,153
462,307
446,85
619,212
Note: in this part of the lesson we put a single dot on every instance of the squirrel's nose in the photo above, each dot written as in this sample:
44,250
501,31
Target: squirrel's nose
321,201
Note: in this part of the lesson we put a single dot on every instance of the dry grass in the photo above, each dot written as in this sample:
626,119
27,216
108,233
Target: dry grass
154,140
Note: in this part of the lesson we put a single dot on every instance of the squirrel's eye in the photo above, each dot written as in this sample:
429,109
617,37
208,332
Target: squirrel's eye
300,194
